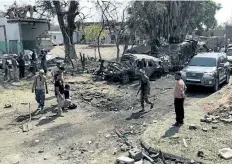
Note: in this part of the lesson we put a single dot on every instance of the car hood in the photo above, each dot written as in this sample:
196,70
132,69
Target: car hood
229,58
199,69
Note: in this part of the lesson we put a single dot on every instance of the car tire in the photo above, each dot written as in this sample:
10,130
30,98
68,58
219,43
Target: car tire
216,85
125,79
228,77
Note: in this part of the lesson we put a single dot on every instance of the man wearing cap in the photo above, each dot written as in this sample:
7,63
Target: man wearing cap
179,96
40,87
15,67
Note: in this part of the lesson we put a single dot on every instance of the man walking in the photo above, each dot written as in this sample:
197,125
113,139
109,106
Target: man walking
40,87
144,88
179,96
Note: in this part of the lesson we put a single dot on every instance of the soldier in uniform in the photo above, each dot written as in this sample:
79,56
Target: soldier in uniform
144,88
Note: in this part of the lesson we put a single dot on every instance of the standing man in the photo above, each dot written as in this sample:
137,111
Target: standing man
15,67
44,61
144,88
34,62
40,87
21,62
179,95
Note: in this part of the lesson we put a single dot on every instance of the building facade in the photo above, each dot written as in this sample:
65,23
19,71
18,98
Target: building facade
17,35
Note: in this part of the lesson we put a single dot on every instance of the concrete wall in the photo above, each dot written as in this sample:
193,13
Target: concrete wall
57,37
214,33
12,35
30,32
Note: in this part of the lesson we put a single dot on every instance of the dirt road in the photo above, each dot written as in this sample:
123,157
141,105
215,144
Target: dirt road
85,135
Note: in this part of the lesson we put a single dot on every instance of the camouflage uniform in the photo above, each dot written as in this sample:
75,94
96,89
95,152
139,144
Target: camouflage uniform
144,89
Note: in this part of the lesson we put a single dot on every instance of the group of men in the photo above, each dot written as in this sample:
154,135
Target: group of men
179,94
62,92
19,65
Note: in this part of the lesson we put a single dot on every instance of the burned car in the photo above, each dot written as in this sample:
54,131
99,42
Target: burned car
127,69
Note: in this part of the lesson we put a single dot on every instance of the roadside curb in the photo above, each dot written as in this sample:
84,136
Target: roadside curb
167,156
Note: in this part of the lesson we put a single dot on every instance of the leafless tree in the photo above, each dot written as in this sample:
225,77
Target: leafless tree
114,20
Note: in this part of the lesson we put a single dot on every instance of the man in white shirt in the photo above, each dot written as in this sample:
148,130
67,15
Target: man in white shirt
40,87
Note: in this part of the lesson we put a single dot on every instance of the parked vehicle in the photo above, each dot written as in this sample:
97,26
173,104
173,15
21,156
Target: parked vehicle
229,55
208,70
128,68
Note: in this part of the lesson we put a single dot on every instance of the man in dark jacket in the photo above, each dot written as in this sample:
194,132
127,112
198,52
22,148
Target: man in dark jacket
21,62
44,61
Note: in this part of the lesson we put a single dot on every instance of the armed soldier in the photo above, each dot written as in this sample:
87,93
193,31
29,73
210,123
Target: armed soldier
144,87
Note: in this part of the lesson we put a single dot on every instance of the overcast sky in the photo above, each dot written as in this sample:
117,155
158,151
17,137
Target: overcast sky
222,16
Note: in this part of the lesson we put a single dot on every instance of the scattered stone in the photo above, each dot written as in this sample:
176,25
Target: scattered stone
203,120
185,144
107,136
204,129
215,121
192,161
135,154
87,98
227,120
89,142
36,141
124,148
208,120
139,162
214,127
225,153
125,160
200,154
8,106
16,162
155,121
192,127
45,158
40,151
230,113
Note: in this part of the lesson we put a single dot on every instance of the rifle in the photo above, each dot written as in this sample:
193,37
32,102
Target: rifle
138,91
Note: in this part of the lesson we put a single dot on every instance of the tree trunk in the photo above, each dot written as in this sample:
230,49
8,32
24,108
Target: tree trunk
118,49
67,32
98,48
98,40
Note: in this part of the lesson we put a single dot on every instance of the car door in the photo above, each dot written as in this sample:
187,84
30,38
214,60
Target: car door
220,69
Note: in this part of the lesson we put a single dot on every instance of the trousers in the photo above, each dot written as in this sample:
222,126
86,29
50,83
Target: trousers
144,97
179,109
21,72
40,97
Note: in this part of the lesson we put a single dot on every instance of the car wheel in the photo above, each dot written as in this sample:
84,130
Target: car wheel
125,79
216,85
228,77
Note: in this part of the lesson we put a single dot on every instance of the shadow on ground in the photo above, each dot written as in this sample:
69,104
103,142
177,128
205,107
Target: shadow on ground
171,131
26,117
136,115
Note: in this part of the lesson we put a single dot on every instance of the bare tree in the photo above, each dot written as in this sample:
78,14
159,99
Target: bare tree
114,20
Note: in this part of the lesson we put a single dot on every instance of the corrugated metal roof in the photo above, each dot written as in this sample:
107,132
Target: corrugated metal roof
28,20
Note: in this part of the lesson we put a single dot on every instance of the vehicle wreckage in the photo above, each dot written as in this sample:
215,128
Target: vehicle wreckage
127,69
